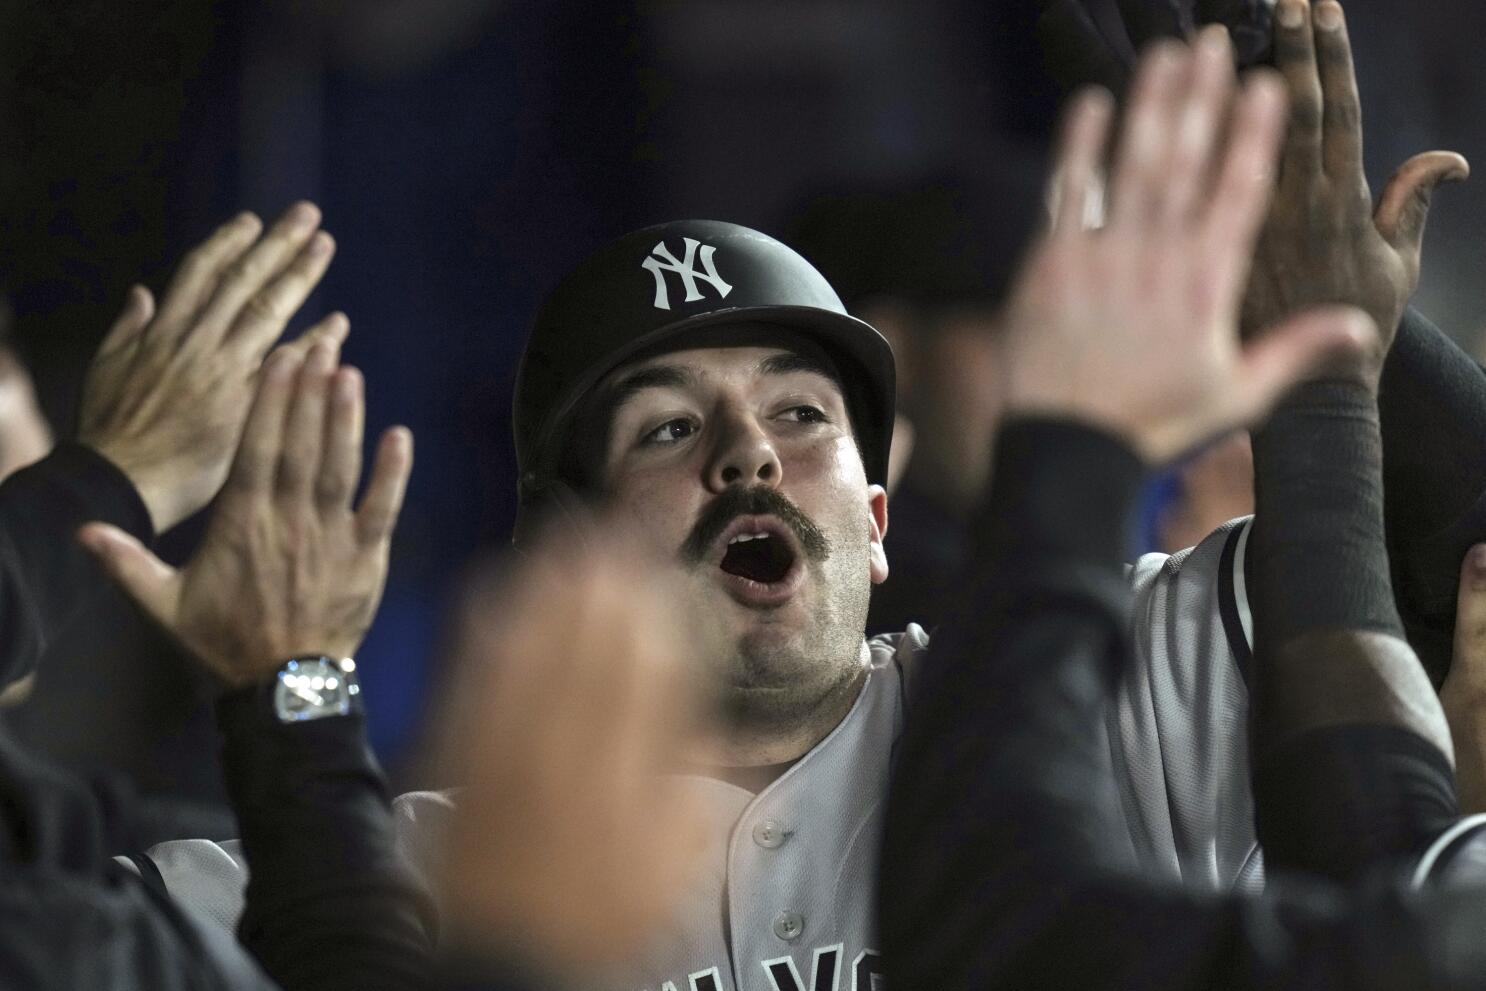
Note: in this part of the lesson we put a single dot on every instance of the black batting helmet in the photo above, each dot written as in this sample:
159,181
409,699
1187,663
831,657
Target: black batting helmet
656,285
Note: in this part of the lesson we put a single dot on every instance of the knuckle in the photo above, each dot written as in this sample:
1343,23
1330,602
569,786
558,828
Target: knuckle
293,474
262,308
331,490
1305,116
239,271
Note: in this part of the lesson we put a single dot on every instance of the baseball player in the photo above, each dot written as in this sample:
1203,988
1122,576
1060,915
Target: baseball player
703,382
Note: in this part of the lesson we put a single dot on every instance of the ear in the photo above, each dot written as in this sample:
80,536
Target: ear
877,529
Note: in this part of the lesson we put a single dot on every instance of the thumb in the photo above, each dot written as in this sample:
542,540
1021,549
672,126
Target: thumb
151,582
1404,205
1281,357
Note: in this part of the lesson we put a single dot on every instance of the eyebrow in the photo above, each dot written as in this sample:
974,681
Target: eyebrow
649,377
789,362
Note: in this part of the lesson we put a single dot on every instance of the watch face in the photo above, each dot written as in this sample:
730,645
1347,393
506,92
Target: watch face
313,688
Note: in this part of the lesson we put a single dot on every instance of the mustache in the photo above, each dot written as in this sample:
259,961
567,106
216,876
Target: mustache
757,501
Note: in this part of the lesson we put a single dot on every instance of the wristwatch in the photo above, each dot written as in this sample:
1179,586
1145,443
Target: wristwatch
313,687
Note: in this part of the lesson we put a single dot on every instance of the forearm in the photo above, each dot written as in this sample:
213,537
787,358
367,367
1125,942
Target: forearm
1001,803
1350,762
328,903
45,575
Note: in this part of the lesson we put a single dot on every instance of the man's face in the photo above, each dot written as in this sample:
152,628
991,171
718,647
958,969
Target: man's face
739,469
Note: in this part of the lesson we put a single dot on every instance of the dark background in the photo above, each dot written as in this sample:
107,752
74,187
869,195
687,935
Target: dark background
465,152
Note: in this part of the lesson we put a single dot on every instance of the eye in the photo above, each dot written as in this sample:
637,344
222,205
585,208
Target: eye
670,432
806,414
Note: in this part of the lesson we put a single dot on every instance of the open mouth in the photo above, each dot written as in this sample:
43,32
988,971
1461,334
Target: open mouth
758,557
762,559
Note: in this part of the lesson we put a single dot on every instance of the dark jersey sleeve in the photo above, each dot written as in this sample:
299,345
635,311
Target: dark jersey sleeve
45,574
72,917
1003,864
329,904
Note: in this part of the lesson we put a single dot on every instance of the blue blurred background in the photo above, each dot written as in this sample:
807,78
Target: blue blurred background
465,152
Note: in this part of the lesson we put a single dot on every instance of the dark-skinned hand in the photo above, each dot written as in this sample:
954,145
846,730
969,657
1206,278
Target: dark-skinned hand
1325,241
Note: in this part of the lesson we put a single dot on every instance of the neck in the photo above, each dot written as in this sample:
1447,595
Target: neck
753,756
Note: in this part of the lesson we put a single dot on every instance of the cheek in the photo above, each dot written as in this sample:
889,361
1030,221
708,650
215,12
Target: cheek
659,510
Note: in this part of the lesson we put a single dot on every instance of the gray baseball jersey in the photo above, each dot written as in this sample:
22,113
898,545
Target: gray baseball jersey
786,899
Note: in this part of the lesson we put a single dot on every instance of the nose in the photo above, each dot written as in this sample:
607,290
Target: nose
744,455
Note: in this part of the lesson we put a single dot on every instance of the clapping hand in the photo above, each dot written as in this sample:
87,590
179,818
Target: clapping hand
289,566
166,396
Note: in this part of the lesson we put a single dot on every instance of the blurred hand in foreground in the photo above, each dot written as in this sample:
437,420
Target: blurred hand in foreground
1134,327
288,566
571,845
166,396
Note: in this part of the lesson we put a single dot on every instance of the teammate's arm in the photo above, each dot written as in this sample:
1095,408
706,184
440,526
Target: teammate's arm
290,568
1002,856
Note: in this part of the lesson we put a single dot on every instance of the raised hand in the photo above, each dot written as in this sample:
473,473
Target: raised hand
1134,327
167,394
287,567
1324,241
570,846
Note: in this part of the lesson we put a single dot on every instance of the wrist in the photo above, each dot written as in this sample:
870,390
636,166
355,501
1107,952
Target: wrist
155,497
307,687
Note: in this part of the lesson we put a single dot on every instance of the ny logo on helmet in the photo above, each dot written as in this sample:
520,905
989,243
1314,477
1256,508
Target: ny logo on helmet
661,261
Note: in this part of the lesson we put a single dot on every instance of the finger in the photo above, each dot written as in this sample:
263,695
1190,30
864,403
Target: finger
1141,161
1469,662
245,278
334,328
304,427
139,309
199,272
1341,129
1200,122
1240,199
258,452
265,314
1281,357
1076,176
1403,208
1295,57
340,466
148,580
389,482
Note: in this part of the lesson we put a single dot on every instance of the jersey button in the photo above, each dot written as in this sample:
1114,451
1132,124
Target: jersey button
768,833
789,925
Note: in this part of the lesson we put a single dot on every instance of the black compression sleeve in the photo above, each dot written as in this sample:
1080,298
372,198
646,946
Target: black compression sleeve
1432,402
1317,558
